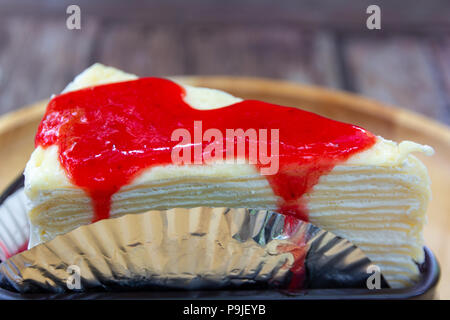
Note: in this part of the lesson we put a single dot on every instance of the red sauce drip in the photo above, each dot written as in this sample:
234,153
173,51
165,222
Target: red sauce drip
109,133
8,254
298,271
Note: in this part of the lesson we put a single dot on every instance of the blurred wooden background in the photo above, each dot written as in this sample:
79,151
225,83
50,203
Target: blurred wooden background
322,42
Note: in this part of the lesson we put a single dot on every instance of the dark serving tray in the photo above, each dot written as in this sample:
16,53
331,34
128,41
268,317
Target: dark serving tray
424,289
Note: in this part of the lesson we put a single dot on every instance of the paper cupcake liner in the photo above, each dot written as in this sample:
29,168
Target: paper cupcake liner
199,248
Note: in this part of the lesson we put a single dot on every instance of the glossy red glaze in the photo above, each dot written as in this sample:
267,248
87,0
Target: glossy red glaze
109,133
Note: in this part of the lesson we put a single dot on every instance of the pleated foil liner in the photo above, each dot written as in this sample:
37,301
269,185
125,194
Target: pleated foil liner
14,229
199,248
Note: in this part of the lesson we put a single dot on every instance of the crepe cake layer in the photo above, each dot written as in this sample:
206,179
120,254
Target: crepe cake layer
376,199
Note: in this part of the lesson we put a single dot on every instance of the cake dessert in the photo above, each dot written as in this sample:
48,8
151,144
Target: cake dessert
105,148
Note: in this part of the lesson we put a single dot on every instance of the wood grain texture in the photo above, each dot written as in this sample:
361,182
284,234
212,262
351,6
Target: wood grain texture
428,15
17,133
38,58
141,49
441,50
272,51
396,70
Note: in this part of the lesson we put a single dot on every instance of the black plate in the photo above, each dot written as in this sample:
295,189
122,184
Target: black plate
424,289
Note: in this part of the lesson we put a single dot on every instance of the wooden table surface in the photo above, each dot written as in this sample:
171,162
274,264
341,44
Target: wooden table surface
324,43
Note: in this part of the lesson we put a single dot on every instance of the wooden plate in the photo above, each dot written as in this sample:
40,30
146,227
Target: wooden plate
17,132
